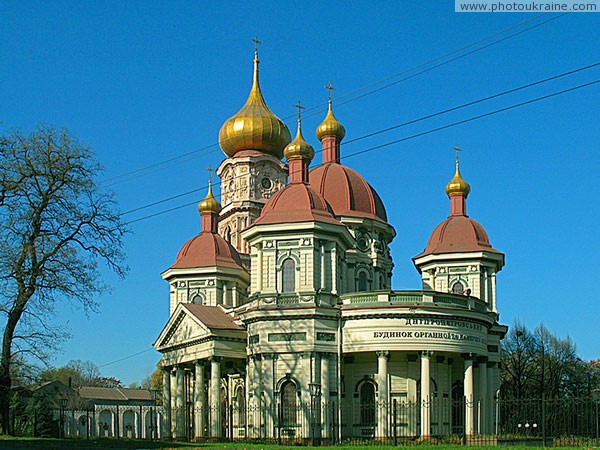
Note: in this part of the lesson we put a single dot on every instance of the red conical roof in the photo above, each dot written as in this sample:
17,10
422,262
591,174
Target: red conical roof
207,250
458,234
297,202
347,192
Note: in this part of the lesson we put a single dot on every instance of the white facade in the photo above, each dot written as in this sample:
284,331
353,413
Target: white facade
312,342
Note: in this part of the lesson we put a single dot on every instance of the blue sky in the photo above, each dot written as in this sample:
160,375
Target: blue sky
142,82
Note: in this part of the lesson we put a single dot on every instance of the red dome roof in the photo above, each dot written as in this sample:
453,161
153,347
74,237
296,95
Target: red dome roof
297,202
458,234
207,250
347,192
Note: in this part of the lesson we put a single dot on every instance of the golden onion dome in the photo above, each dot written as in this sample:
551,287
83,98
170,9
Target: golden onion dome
299,147
457,185
330,126
210,204
254,127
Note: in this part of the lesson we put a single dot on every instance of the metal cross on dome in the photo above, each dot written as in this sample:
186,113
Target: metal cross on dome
457,149
330,88
256,43
300,108
210,170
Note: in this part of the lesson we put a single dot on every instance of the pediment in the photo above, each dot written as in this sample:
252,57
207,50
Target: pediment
182,328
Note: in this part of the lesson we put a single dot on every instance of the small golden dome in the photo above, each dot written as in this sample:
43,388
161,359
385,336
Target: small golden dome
210,204
330,126
254,127
299,147
457,185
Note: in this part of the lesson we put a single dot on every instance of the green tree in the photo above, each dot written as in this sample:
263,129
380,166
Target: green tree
58,226
38,413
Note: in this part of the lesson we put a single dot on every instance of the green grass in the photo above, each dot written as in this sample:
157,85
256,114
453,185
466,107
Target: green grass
117,444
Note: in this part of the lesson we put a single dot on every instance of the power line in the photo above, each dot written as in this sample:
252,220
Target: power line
471,119
410,122
177,160
429,69
430,131
164,200
474,102
125,358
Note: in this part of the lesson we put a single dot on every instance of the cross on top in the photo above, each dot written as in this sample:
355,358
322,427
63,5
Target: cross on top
256,43
457,149
300,108
210,170
330,88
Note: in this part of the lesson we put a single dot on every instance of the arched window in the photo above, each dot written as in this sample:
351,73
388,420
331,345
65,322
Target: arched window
241,407
228,235
289,406
362,282
197,299
367,404
288,276
458,288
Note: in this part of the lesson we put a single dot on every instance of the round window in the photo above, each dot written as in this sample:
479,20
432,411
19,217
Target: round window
266,183
362,244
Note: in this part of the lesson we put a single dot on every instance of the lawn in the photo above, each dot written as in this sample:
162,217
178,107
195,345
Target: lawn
114,444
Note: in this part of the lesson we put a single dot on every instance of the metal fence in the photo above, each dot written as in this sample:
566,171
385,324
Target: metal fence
549,422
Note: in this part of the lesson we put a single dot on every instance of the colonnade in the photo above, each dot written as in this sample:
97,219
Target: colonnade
478,409
133,421
176,417
192,395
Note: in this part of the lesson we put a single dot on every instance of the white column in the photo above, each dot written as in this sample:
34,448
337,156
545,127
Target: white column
179,401
468,387
425,395
269,407
323,281
259,269
235,295
167,399
334,275
493,296
251,398
490,397
199,399
224,293
215,397
325,404
483,400
485,294
382,382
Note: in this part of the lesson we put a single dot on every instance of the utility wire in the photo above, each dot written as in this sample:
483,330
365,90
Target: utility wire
474,102
433,130
429,69
410,122
125,357
176,160
471,119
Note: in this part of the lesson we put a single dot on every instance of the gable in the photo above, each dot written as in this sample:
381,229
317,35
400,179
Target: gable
182,328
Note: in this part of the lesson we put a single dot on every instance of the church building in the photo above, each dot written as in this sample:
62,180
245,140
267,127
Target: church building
283,322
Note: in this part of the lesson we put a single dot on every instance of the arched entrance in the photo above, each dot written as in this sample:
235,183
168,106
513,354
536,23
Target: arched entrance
458,408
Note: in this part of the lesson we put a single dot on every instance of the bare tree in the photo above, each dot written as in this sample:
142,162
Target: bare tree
58,226
518,350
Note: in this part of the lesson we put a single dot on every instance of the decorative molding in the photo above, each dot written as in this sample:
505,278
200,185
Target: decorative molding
327,337
383,354
286,337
